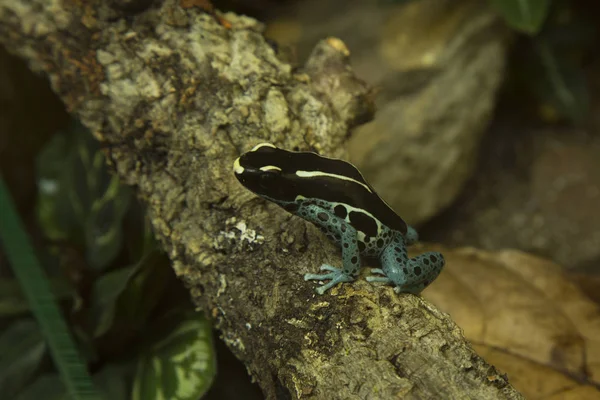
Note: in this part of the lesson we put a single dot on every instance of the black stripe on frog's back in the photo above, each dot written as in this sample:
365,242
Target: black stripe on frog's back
284,175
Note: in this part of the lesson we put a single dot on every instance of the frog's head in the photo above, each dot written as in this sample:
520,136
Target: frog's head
268,172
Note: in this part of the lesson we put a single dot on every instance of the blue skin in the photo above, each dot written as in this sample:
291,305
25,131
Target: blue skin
410,275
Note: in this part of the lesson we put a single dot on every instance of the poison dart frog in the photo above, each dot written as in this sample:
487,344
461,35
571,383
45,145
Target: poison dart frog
333,195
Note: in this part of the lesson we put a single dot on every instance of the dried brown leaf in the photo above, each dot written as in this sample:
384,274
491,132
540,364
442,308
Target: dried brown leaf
522,314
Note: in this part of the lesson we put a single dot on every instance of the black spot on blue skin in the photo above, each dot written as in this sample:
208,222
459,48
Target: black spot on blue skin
398,249
363,223
323,229
417,271
340,211
303,213
398,260
380,243
433,258
323,216
354,260
338,238
405,270
425,261
361,246
346,245
343,228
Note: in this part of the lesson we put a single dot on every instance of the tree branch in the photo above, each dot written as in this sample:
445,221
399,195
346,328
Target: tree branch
175,94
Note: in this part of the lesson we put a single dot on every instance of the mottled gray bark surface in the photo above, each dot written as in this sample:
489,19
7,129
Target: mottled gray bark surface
175,94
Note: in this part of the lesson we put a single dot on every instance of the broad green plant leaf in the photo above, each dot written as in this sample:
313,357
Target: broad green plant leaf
105,294
526,16
120,298
21,349
79,200
46,387
36,287
181,366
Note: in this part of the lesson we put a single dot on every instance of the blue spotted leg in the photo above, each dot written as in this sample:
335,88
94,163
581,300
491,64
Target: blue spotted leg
411,236
343,234
407,275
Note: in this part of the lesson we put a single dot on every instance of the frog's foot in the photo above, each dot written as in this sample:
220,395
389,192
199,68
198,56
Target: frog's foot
379,271
336,275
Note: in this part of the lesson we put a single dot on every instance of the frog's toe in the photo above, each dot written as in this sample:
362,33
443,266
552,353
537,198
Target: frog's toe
335,277
326,267
377,278
319,277
383,279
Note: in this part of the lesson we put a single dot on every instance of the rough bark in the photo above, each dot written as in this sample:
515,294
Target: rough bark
175,94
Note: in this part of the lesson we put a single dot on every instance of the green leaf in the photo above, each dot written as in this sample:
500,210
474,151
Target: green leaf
21,349
104,235
56,217
562,84
106,291
145,291
36,287
13,301
79,199
47,387
181,366
526,16
140,238
120,299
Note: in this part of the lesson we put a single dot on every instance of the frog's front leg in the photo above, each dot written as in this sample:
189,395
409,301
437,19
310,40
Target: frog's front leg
407,275
345,236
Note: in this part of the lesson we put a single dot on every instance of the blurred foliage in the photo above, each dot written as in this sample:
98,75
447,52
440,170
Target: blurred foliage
523,15
79,199
547,66
24,343
550,65
133,321
172,359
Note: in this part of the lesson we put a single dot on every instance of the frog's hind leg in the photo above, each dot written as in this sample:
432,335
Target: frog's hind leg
422,270
410,275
